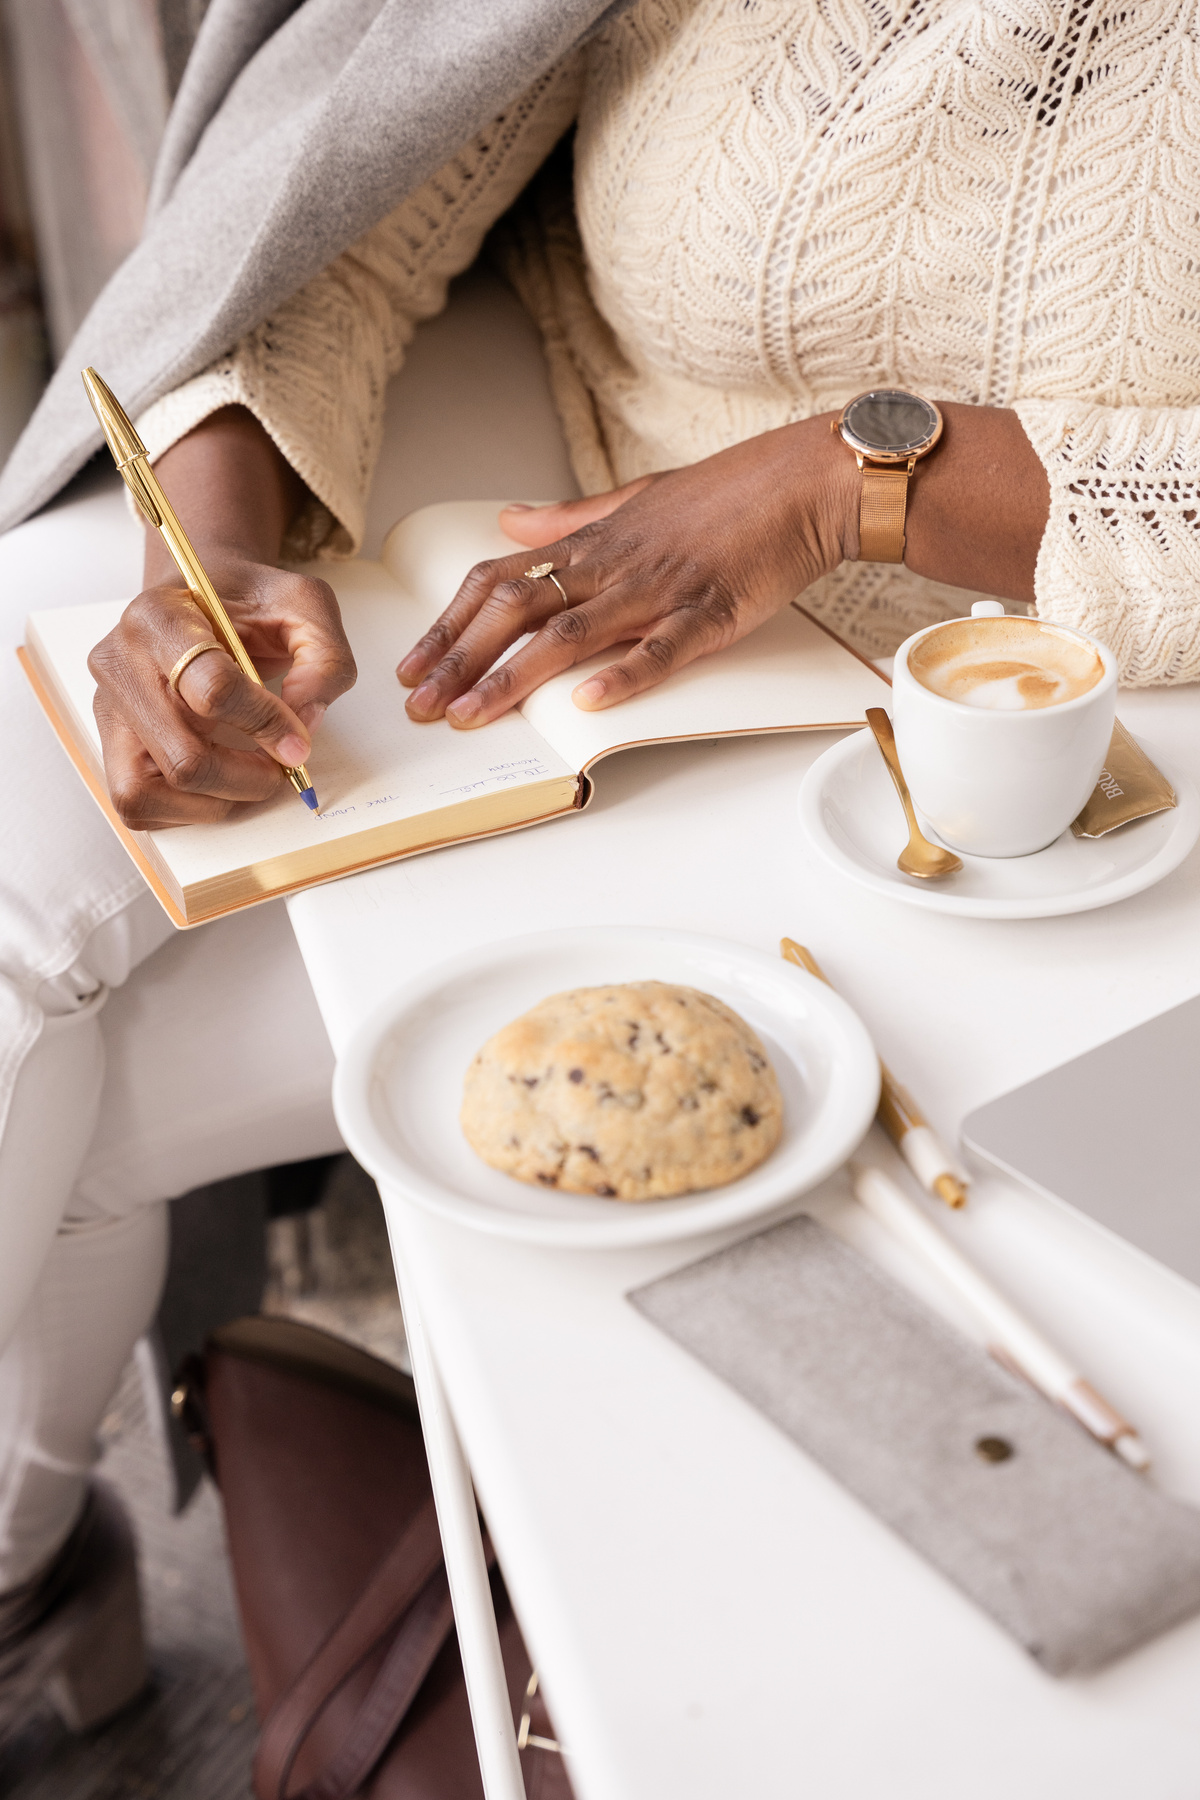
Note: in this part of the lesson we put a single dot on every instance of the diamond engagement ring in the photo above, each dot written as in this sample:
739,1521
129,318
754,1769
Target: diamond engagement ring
547,569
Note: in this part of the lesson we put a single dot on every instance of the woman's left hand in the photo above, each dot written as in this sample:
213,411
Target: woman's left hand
675,565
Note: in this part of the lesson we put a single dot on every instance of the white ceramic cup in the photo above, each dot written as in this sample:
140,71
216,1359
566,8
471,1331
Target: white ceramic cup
998,783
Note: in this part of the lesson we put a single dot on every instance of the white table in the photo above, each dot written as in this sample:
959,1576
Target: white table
713,1616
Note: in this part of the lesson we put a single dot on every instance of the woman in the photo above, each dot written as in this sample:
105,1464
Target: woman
776,206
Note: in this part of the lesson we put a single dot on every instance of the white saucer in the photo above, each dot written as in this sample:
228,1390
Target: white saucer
849,811
398,1088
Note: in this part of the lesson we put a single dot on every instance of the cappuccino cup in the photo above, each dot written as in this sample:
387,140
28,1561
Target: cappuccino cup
1002,726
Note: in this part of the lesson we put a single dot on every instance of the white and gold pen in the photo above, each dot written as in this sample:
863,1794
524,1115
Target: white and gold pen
1011,1339
129,454
939,1173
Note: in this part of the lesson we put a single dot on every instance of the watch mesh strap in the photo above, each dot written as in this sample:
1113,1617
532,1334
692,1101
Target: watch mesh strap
881,515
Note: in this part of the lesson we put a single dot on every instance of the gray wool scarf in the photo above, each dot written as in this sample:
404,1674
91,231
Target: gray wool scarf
298,125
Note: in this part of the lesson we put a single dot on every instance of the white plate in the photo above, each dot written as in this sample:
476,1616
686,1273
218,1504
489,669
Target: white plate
398,1088
849,811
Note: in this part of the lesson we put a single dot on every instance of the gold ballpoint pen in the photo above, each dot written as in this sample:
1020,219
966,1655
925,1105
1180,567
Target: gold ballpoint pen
899,1114
129,454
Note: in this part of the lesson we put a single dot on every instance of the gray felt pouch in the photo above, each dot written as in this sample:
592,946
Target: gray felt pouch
1067,1549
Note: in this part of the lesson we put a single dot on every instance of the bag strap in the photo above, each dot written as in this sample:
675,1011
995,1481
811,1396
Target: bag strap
408,1662
411,1580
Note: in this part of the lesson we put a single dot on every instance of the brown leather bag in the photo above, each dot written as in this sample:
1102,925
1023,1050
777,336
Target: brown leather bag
317,1449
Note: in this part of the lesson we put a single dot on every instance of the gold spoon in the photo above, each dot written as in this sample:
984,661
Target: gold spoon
919,857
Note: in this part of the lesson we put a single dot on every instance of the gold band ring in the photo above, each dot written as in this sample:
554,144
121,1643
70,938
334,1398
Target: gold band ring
189,656
547,569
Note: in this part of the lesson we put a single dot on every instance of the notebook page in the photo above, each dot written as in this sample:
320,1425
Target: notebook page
370,763
66,637
787,675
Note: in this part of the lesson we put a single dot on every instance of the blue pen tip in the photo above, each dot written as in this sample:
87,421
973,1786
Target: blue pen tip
309,797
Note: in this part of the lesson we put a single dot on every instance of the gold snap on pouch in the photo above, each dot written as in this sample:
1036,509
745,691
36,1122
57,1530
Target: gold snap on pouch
1066,1548
1130,787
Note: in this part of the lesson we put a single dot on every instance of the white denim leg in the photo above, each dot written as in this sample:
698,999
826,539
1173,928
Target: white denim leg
55,1101
74,913
74,1294
206,1058
66,890
50,1125
62,872
80,1270
216,1061
97,1292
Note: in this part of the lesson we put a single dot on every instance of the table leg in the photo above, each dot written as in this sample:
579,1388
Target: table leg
462,1546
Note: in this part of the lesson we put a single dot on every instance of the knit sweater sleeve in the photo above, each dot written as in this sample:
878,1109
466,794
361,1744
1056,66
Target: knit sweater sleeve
1120,557
315,372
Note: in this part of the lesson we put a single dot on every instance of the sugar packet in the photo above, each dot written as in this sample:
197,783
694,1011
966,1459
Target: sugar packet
1130,787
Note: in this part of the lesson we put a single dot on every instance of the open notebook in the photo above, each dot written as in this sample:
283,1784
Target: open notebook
391,788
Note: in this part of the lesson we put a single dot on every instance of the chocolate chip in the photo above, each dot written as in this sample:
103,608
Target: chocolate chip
547,1180
690,1103
530,1080
606,1192
588,1150
575,1075
749,1115
662,1042
635,1034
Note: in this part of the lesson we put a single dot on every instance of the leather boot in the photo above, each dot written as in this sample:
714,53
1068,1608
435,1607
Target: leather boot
73,1632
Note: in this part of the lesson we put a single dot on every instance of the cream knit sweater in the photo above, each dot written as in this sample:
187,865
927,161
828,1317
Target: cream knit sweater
781,202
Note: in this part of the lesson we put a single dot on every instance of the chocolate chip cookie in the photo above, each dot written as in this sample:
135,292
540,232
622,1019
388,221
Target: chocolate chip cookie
635,1092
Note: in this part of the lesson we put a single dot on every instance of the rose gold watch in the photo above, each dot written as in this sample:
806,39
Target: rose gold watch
889,430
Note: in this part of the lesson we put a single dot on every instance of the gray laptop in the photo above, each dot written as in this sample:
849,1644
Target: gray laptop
1116,1133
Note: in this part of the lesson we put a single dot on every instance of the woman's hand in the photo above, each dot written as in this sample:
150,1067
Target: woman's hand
676,565
163,755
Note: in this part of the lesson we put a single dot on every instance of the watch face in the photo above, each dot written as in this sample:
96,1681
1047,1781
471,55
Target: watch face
889,422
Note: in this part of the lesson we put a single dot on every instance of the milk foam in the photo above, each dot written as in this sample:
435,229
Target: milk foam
1005,664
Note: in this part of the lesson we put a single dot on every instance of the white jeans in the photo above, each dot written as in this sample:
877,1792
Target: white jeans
137,1062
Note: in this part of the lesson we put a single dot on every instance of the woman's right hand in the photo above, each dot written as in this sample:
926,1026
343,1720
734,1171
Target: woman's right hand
164,756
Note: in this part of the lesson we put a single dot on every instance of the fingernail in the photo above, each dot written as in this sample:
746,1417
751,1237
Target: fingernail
413,666
518,506
291,750
312,714
588,692
464,708
424,698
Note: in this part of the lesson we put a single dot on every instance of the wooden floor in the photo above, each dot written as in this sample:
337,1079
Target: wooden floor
192,1735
